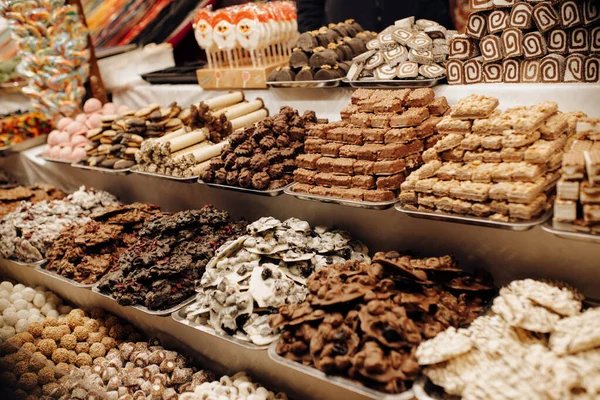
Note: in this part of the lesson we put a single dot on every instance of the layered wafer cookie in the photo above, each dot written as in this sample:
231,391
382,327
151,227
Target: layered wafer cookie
573,165
592,165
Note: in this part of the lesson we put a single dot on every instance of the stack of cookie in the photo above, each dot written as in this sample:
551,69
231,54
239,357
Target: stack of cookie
367,154
527,42
324,54
406,50
577,207
115,144
501,165
183,153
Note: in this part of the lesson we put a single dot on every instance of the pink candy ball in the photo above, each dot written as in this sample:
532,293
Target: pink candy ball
78,154
109,108
78,139
75,127
65,153
63,123
94,121
52,138
92,105
62,137
54,152
81,118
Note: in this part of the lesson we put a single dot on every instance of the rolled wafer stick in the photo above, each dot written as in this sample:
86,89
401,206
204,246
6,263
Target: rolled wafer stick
190,149
224,100
187,140
198,169
206,153
240,109
249,119
171,135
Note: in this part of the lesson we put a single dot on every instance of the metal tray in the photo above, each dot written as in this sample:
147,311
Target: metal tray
397,84
26,264
179,316
159,313
62,278
306,84
54,160
191,179
25,145
337,380
109,171
350,203
425,390
266,193
580,236
477,221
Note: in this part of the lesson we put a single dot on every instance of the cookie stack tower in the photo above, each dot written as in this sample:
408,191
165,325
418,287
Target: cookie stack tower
501,165
515,41
367,154
577,207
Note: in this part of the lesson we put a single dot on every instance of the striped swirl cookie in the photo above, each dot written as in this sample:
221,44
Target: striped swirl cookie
375,61
455,72
512,71
432,71
492,73
420,56
386,41
558,41
425,23
385,72
595,40
408,70
552,68
579,41
545,17
395,56
591,69
530,71
504,3
476,26
574,66
402,36
497,21
478,5
570,14
420,42
512,40
436,32
373,44
491,48
591,12
462,47
534,45
521,16
473,70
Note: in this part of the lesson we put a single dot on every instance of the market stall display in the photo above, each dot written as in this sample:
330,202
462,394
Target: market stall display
366,156
69,141
537,341
244,43
267,268
20,128
407,51
527,42
184,152
11,196
29,231
118,137
262,157
168,257
491,164
52,41
365,321
324,54
577,206
84,253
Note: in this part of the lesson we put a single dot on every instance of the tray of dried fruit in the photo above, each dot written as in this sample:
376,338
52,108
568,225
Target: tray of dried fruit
306,84
109,171
158,313
289,190
336,380
396,83
478,221
187,179
58,277
580,236
24,145
266,193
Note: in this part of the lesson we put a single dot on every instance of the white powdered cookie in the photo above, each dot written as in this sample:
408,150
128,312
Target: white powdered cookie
561,301
578,333
523,313
445,346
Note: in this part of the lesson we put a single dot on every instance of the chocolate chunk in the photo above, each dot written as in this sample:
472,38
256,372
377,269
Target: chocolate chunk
305,74
261,180
307,41
258,162
245,179
323,57
298,59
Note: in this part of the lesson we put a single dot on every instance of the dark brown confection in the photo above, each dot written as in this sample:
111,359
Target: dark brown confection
230,161
242,162
273,156
259,162
288,153
276,171
283,141
232,177
217,163
245,179
268,142
162,266
220,176
261,181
